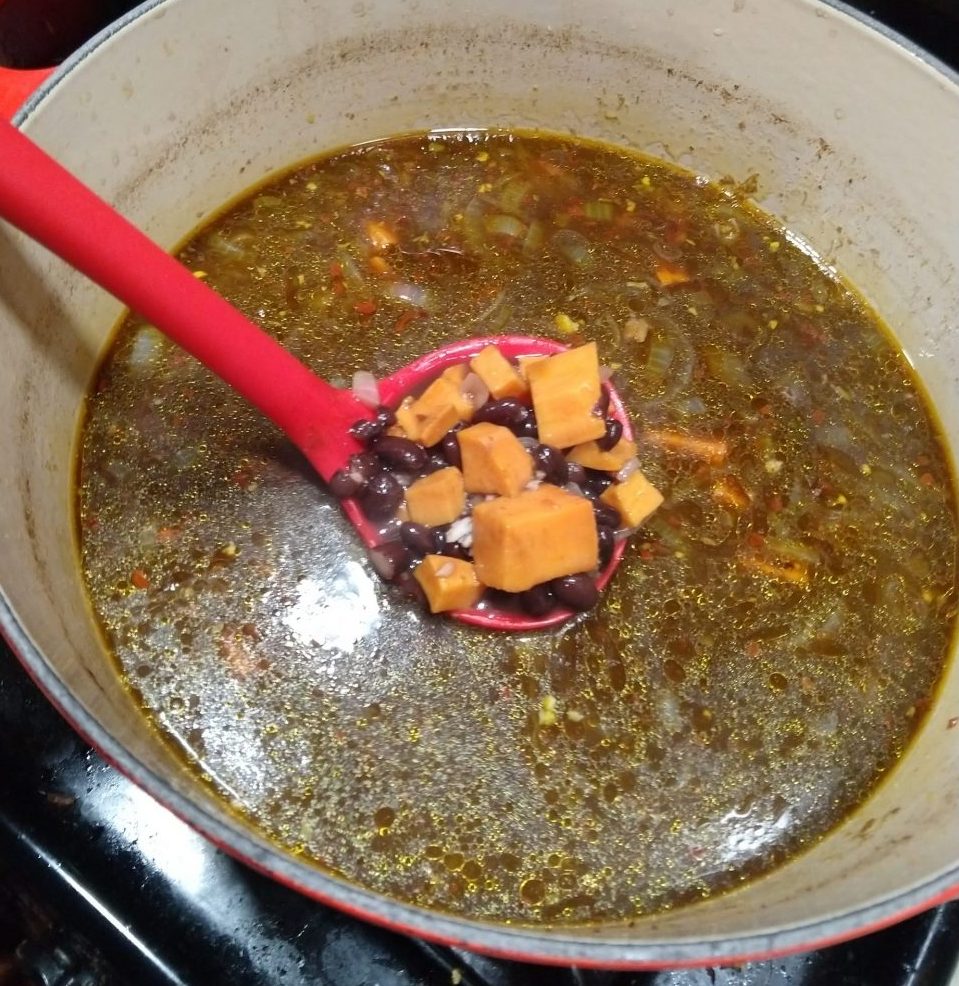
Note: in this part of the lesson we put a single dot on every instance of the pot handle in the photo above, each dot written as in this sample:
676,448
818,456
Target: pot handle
16,85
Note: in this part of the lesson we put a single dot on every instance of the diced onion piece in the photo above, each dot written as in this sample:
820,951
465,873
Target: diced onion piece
474,390
366,389
606,374
383,563
627,469
461,530
504,225
667,251
412,294
570,245
661,354
636,329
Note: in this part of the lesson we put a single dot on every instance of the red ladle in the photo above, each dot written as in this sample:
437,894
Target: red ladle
50,205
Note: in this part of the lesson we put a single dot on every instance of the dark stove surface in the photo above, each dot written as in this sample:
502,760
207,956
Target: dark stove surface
101,886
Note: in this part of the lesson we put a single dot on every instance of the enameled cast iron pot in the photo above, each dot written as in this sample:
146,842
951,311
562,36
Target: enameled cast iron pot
184,103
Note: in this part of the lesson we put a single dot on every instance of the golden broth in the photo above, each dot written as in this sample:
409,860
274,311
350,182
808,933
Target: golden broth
761,657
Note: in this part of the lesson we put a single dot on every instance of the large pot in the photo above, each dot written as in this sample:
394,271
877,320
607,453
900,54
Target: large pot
185,103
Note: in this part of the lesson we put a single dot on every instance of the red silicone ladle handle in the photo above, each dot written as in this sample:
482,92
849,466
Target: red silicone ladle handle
16,85
44,200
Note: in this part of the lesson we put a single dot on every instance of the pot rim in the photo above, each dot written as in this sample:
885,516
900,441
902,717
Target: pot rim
572,946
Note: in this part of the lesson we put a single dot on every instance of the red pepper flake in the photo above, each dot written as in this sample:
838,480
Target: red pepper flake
367,307
140,579
752,648
775,503
818,416
676,231
927,479
168,534
336,276
755,540
243,477
811,334
406,319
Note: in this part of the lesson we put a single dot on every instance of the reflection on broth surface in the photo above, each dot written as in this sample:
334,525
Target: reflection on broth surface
760,658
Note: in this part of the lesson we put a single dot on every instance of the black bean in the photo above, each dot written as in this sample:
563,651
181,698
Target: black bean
529,428
614,432
576,591
434,463
606,515
367,431
450,447
418,538
407,584
344,484
365,465
607,542
401,453
575,473
382,496
386,415
552,463
602,405
508,412
538,601
596,482
390,558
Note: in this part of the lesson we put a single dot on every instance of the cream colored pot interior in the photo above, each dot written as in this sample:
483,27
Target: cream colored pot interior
856,144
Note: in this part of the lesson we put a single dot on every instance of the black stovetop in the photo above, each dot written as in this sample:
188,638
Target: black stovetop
101,886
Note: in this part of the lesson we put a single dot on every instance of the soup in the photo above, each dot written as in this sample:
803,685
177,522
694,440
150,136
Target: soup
763,654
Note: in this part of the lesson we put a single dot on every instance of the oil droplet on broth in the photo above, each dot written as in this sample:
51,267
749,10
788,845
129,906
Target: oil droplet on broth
384,818
532,891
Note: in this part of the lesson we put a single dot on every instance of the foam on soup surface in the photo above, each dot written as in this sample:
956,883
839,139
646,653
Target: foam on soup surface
762,656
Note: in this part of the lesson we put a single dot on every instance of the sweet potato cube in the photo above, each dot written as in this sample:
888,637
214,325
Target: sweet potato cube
430,416
635,499
456,373
523,364
449,583
436,499
590,455
500,376
565,389
536,536
494,460
407,422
